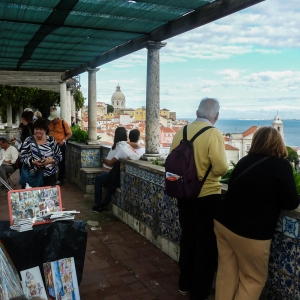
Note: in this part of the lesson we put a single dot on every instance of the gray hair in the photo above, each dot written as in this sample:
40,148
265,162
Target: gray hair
208,108
28,109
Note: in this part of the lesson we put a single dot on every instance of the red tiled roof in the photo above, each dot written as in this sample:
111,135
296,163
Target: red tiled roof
249,131
167,129
165,145
226,138
229,147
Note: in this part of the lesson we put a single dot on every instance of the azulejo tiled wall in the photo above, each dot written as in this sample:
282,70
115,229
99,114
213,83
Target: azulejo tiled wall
283,281
81,156
141,203
142,196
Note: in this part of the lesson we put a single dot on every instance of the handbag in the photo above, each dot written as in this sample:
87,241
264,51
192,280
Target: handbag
17,164
33,179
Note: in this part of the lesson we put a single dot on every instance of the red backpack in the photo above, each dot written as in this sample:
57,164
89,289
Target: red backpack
181,174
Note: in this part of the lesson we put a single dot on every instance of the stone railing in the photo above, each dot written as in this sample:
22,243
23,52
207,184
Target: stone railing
142,204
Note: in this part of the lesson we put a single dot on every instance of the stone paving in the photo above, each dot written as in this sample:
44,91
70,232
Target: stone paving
119,263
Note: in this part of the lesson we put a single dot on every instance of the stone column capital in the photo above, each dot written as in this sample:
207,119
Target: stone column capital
155,45
92,70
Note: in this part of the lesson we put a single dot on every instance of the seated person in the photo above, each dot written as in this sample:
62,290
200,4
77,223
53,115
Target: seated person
9,155
120,149
134,136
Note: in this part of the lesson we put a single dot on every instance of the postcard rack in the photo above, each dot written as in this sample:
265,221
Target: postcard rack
34,204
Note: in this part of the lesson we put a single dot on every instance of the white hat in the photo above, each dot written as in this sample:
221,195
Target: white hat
54,115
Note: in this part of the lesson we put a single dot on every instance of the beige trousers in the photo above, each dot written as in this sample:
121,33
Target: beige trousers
243,265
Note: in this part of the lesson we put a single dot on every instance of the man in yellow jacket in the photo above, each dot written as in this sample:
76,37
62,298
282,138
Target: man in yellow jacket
198,248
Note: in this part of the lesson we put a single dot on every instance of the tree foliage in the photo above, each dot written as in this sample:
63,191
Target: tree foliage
292,155
79,99
110,108
26,97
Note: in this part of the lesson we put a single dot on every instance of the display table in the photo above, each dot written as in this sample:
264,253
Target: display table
46,243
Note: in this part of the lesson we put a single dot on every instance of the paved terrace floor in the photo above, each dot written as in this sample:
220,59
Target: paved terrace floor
119,263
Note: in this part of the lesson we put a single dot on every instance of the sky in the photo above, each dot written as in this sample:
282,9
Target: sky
249,61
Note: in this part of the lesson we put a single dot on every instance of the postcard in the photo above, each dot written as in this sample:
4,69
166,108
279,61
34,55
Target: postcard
62,279
32,284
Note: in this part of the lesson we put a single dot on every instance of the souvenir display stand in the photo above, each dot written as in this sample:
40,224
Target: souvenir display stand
48,241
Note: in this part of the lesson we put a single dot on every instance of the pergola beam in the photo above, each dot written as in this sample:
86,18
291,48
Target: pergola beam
41,80
204,15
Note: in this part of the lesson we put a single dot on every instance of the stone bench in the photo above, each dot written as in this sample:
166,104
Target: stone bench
87,178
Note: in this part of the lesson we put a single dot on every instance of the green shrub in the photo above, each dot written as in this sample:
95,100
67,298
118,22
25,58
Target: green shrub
158,162
78,135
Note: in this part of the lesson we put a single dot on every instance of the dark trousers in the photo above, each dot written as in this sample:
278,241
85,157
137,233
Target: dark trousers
61,165
198,247
98,190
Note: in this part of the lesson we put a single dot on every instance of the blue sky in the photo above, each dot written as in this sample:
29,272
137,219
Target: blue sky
250,61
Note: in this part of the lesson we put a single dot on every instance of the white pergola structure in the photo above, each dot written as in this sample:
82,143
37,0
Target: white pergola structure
45,44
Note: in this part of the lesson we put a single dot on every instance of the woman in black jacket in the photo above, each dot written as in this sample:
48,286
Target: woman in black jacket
246,219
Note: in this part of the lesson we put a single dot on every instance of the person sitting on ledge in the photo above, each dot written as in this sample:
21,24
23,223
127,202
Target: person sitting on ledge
134,136
120,149
8,156
260,185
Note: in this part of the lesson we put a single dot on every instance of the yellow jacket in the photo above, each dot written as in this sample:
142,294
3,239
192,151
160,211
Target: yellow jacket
208,149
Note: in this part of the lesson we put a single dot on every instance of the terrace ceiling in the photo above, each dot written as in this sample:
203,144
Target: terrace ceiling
42,42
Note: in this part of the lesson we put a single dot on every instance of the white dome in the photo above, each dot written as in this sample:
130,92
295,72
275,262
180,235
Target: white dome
118,95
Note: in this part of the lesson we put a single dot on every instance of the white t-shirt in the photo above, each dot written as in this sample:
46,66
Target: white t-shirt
109,156
140,151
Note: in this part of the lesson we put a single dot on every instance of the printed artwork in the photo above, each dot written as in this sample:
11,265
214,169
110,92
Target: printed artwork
61,279
33,203
10,285
32,284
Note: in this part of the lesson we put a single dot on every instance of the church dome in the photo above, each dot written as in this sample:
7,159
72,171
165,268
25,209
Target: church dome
118,95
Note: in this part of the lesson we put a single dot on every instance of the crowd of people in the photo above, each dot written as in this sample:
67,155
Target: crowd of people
40,146
225,235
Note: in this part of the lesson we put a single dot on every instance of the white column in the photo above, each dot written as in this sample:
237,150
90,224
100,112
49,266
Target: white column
152,101
92,106
73,106
9,115
20,114
67,116
63,100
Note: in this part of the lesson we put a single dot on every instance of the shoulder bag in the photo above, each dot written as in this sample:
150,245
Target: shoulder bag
33,179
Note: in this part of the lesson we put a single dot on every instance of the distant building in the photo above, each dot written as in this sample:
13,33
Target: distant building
172,115
242,141
232,154
118,99
127,111
140,114
164,112
278,124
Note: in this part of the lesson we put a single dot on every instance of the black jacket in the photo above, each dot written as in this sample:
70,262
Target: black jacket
252,205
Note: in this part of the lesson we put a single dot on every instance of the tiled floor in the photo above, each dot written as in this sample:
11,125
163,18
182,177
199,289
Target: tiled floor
119,263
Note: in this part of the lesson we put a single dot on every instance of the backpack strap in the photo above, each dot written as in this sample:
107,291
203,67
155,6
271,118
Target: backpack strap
192,140
200,132
63,126
184,133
